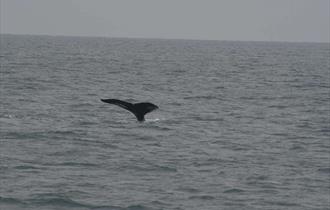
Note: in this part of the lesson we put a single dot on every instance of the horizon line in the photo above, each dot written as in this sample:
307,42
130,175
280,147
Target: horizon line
159,38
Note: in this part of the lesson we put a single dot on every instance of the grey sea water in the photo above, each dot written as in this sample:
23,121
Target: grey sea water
241,125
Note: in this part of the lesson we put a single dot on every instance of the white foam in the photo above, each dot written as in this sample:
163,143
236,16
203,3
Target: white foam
155,119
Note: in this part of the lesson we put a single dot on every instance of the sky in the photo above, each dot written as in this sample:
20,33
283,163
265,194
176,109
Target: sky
245,20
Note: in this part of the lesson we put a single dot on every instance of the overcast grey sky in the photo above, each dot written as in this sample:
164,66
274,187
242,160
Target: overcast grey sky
257,20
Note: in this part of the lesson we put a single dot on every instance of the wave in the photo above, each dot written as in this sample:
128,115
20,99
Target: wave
26,167
63,202
4,200
188,189
202,197
153,167
234,190
201,97
59,201
324,170
9,119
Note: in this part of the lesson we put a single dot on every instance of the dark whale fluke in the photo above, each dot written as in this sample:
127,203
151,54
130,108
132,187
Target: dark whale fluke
138,109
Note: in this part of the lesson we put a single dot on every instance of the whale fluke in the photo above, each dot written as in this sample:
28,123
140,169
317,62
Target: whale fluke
138,109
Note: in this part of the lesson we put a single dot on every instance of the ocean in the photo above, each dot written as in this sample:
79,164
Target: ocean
240,125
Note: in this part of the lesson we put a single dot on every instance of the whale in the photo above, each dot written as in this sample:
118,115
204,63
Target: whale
138,109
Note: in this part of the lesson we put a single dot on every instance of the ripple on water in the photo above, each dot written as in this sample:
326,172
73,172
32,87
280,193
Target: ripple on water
57,201
202,197
248,116
188,189
324,170
234,190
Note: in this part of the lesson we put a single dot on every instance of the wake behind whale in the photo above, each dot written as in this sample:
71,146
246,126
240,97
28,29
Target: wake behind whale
138,109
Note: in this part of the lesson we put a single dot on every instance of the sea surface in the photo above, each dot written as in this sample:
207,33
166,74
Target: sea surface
240,125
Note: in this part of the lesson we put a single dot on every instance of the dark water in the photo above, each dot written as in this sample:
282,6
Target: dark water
241,125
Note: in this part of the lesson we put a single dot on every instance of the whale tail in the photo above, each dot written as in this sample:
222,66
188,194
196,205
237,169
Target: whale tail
138,109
